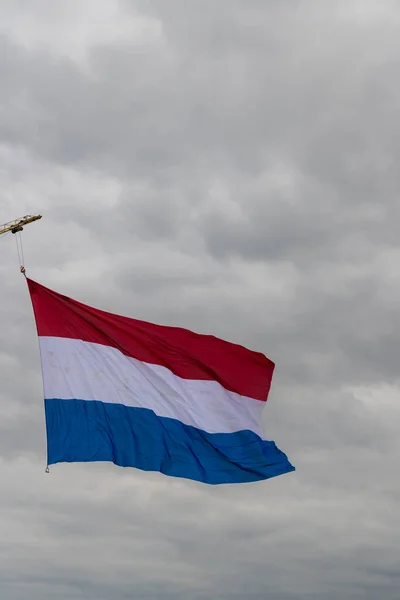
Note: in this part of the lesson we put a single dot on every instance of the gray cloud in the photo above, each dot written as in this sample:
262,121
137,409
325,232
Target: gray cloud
228,167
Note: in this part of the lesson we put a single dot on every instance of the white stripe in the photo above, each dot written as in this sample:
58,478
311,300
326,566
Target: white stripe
73,369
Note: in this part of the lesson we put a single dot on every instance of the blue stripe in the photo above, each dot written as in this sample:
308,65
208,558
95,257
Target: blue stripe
85,431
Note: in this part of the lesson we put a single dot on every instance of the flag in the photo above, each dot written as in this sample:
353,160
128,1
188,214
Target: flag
151,397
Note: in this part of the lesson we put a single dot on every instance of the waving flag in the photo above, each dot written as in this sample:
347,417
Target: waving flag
151,397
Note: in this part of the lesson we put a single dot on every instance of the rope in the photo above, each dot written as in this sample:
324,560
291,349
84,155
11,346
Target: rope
20,251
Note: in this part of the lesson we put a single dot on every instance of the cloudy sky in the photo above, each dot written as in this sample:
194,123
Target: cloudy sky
229,166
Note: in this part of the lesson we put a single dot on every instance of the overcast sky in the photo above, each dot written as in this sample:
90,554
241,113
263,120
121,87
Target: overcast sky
230,166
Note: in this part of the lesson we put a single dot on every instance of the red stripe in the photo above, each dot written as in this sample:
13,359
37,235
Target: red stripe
187,354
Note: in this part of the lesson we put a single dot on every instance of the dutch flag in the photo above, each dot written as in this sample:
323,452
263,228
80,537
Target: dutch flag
151,397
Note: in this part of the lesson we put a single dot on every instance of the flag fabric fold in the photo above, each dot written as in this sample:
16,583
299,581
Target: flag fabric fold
152,397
